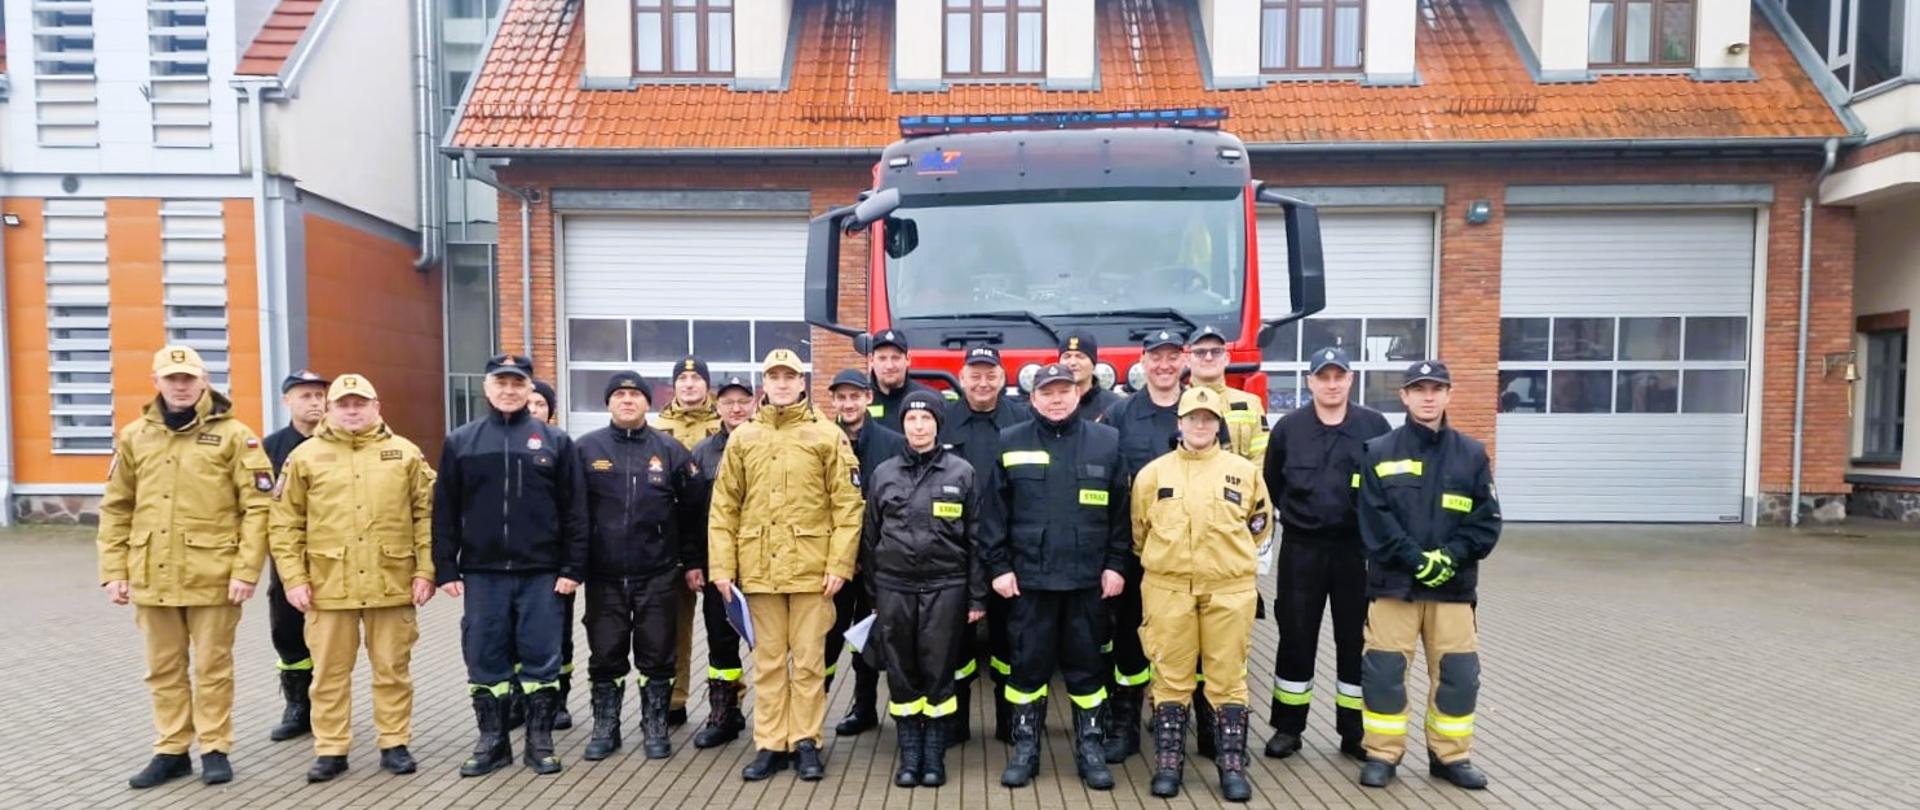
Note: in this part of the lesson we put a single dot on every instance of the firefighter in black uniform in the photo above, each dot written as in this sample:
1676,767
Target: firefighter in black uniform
639,508
889,361
545,406
1149,427
510,534
1054,537
972,428
734,403
1429,514
305,395
872,443
917,555
1080,354
1313,470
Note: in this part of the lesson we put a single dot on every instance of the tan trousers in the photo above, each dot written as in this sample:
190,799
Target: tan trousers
789,667
683,646
203,705
1394,626
1178,628
334,638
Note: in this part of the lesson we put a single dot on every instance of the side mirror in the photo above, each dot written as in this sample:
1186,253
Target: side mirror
1306,262
823,271
863,343
874,208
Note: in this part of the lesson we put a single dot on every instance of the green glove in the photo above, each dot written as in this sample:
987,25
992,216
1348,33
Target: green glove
1437,569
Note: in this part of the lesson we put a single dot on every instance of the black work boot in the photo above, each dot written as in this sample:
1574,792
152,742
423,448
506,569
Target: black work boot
397,760
516,706
724,720
296,719
1353,749
1002,715
542,704
1231,737
960,723
764,765
563,719
1090,747
933,763
1282,744
913,749
493,750
607,697
1463,774
864,714
1123,724
806,761
1024,728
1169,749
1376,773
161,769
654,698
1204,723
325,768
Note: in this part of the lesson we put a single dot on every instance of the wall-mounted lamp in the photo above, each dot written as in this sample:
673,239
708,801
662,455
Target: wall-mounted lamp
1737,48
11,220
1479,212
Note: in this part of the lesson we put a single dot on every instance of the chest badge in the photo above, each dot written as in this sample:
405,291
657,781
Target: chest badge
534,443
602,465
654,466
208,439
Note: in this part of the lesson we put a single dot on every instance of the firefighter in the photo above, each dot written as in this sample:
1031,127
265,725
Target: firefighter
304,394
785,524
734,402
872,444
1080,353
1053,537
1429,514
889,360
1200,517
639,512
972,429
691,418
1148,426
351,575
510,535
917,555
1313,468
544,405
186,470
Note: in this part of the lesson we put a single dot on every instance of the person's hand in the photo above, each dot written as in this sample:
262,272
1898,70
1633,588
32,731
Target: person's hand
564,586
1111,584
238,591
422,591
832,585
1007,585
454,589
118,591
1436,569
725,587
975,615
300,597
696,579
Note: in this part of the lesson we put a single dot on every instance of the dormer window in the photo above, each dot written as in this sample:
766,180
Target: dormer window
683,38
1640,34
1310,36
993,39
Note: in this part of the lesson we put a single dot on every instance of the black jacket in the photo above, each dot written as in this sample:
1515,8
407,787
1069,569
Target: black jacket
874,444
886,408
1055,507
706,466
279,444
640,502
1422,489
975,435
1095,402
1313,469
510,499
923,513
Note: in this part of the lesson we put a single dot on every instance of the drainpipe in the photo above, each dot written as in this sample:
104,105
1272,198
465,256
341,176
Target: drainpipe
426,115
1806,283
270,296
6,402
485,174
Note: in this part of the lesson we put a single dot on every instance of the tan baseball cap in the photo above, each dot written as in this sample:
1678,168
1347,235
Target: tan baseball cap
1202,399
351,385
783,358
178,360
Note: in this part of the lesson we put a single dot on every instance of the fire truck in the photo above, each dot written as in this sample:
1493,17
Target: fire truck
1011,230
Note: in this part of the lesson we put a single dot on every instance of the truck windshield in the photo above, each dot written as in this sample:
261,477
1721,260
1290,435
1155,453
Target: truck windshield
1059,259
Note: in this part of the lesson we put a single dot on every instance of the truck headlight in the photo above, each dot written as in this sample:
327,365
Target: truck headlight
1104,376
1137,377
1026,376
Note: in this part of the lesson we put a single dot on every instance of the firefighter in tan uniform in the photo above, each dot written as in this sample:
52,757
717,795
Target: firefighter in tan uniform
183,533
352,528
785,526
690,418
1200,516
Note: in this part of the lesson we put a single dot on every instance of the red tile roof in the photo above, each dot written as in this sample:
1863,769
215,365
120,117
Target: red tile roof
1474,88
278,37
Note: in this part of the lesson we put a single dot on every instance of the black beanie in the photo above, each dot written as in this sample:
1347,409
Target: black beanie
545,390
1080,340
924,401
627,379
695,365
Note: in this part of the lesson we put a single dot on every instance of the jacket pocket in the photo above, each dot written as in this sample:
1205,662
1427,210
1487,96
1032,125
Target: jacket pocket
396,568
209,562
327,572
137,548
750,553
1029,549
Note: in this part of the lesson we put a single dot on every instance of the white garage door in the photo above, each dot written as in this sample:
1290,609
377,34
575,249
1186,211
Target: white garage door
641,292
1379,303
1623,365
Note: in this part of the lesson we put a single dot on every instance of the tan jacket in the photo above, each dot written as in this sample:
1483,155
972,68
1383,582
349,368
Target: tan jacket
185,511
353,517
689,425
1199,520
1246,423
786,504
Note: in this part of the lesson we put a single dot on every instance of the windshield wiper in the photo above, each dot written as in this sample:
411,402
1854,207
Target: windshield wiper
1144,312
1002,315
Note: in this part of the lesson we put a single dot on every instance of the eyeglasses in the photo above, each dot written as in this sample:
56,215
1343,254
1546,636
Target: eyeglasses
1209,354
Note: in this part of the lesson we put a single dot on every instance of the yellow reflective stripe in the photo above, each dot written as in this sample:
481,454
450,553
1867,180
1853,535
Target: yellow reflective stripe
1015,458
1389,724
1242,417
1293,698
948,511
1259,443
717,674
531,687
1093,497
999,666
1019,698
1199,677
1136,679
567,668
1107,648
1092,701
1348,702
302,665
1447,726
965,672
1404,466
877,411
943,708
499,690
1456,503
832,668
907,709
1356,480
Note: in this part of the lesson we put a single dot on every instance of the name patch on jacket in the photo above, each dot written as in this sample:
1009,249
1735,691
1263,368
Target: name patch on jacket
1093,497
1232,495
389,455
602,464
1165,493
948,511
209,439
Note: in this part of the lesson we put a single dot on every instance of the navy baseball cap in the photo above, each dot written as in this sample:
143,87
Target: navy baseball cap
1204,333
983,356
734,381
1426,370
891,337
1164,337
852,376
515,364
1051,373
302,377
1330,356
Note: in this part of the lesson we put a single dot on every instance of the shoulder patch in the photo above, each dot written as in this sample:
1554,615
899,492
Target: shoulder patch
854,473
263,481
252,442
1258,523
280,486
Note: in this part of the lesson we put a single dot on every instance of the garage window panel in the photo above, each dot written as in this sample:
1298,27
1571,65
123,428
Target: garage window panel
1380,349
1623,365
662,340
723,341
1648,391
597,339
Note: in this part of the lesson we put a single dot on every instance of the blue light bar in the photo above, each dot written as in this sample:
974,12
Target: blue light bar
1189,117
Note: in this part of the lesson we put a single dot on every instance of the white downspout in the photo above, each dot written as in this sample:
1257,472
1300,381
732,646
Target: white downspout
485,175
426,115
268,295
1800,369
6,402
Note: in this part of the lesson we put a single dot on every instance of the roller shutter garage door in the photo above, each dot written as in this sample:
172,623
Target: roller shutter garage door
643,291
1624,365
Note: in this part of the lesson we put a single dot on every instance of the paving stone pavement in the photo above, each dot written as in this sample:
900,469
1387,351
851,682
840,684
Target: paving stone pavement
1625,666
